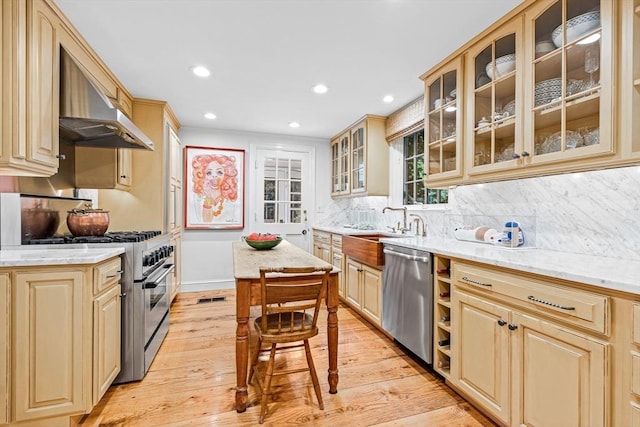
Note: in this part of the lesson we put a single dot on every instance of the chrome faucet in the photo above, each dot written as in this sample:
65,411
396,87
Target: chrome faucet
404,227
418,220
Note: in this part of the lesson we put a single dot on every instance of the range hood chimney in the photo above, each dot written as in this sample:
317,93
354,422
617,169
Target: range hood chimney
88,117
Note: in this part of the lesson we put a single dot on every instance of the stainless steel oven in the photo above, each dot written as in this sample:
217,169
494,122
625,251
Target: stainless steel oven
155,295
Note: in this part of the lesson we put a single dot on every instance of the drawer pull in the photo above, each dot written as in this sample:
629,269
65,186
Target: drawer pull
475,282
563,307
115,275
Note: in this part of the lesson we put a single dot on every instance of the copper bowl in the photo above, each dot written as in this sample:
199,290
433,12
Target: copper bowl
87,222
39,223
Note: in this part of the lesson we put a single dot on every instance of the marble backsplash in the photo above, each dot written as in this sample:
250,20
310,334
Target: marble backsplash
593,213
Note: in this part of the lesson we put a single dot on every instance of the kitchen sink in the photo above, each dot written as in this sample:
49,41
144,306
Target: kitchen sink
365,248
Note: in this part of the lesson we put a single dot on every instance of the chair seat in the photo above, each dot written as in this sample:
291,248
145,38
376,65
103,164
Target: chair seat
280,329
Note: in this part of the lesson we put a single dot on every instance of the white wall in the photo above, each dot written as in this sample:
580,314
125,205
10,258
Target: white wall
207,261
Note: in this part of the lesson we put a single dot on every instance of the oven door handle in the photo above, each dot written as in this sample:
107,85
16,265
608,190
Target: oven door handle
150,284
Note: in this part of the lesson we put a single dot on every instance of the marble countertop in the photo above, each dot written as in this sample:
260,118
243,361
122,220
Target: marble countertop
609,273
44,257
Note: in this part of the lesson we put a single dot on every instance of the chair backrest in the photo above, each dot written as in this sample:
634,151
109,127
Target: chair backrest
288,292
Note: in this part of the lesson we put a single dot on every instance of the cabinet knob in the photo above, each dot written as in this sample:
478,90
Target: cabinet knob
512,326
515,156
502,322
61,156
123,176
525,154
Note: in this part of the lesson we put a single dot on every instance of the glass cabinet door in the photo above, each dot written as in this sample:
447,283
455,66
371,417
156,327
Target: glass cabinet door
357,159
442,127
340,165
571,70
495,105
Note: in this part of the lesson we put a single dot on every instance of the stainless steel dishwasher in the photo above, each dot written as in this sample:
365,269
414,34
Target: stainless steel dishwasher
407,299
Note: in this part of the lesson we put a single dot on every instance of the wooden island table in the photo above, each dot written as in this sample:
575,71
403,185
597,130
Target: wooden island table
246,270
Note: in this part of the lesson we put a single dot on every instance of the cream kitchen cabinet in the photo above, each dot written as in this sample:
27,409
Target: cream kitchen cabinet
364,290
5,351
175,181
175,278
568,86
106,326
322,245
365,172
33,33
545,356
103,168
442,315
444,98
340,164
30,78
494,127
62,347
49,345
629,87
151,191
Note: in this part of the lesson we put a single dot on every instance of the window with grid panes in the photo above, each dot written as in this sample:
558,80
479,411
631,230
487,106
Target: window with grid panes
414,191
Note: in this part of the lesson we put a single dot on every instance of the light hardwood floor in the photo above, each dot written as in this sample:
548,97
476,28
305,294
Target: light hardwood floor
192,380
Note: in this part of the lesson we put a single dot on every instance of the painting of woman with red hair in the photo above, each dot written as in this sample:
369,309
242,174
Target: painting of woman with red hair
215,178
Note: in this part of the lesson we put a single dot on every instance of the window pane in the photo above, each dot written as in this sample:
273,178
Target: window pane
269,213
296,216
420,200
269,190
409,173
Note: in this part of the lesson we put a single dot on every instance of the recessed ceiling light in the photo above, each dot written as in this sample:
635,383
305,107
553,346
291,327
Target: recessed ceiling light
320,88
210,116
200,71
294,124
388,99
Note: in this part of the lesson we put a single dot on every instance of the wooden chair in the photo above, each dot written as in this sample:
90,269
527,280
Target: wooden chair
291,299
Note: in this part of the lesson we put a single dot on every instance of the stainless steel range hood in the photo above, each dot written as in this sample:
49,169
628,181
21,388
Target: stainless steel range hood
88,117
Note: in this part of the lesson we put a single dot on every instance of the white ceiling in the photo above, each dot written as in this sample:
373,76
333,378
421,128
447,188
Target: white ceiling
265,55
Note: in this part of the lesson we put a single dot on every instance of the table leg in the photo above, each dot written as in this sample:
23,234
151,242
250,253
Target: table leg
242,343
332,332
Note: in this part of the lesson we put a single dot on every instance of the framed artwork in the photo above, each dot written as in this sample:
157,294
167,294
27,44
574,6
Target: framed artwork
214,188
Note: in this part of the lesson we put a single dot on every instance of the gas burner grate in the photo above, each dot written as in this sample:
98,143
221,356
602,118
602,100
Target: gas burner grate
111,237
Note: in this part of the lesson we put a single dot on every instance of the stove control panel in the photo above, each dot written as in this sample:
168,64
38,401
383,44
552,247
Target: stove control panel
155,256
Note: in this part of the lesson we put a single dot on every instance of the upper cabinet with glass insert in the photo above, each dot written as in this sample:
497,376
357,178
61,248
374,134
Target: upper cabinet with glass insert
569,89
340,147
552,87
443,98
630,80
494,118
360,159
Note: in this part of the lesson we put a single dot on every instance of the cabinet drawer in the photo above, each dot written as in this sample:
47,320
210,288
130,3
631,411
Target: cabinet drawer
321,237
106,275
336,241
574,306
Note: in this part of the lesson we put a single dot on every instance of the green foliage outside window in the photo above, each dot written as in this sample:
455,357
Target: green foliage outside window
414,191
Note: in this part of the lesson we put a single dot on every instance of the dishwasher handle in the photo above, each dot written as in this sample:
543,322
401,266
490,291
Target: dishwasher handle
424,259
